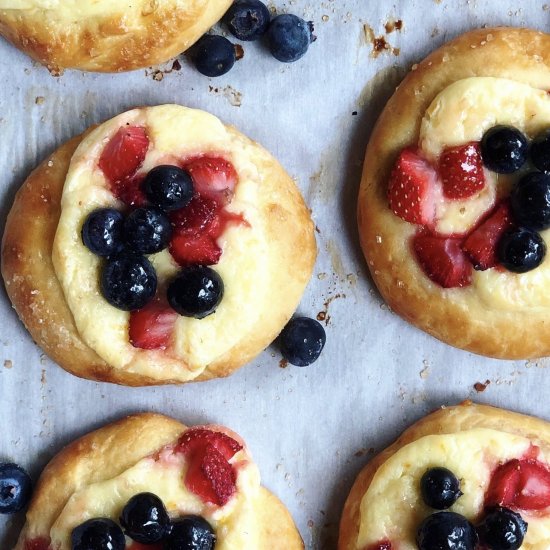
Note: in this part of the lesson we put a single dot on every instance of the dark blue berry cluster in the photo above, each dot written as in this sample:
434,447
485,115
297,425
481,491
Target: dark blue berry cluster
128,280
145,520
288,37
506,150
501,529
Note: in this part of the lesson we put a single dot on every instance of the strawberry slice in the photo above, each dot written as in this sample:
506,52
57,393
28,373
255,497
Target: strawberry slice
197,438
482,243
210,475
124,153
520,485
443,260
213,177
461,171
188,248
152,327
130,191
199,215
411,190
40,543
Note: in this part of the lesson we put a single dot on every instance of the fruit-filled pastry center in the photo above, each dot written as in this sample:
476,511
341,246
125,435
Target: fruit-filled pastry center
161,248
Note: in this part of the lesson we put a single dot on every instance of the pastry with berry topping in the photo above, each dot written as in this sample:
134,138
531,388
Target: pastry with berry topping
454,203
149,482
161,247
465,477
107,35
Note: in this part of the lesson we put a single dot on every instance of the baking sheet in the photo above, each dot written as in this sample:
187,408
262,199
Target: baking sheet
310,430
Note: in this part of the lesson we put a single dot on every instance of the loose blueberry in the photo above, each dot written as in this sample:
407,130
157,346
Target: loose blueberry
196,292
289,37
502,529
302,341
190,533
147,230
530,201
102,232
521,250
440,488
504,149
168,187
247,19
214,55
98,534
540,152
145,519
446,531
15,488
128,282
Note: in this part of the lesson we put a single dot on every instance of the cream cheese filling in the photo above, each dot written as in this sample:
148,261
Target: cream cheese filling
392,508
462,113
174,132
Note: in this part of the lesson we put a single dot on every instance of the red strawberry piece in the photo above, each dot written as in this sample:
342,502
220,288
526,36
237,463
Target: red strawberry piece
40,543
411,190
461,171
481,244
520,485
124,153
199,215
213,177
152,327
188,248
443,260
130,191
210,476
197,438
382,545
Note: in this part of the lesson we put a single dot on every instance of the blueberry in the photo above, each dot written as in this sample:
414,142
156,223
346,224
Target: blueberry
98,534
247,19
521,250
446,531
147,230
302,341
196,291
168,187
128,282
530,201
504,149
440,488
540,152
190,533
15,488
289,37
502,529
102,232
145,518
214,55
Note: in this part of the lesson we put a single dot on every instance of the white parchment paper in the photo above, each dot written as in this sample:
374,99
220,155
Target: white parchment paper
311,430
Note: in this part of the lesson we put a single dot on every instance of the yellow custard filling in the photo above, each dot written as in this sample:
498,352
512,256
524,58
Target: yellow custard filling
175,132
163,475
392,508
462,113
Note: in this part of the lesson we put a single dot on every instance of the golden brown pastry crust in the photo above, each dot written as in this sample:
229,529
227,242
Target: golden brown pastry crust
517,54
38,298
109,451
110,43
446,420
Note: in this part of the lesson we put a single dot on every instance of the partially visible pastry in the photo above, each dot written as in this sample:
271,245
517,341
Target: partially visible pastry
106,35
454,204
162,247
148,481
463,477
